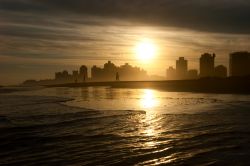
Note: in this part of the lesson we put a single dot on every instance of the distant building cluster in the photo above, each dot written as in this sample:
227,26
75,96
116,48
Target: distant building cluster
109,72
76,76
181,71
239,65
207,69
112,72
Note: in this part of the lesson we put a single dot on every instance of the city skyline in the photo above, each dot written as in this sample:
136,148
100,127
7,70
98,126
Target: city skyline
38,37
239,67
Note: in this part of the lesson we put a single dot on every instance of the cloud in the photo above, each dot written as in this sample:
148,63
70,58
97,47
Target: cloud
93,31
223,16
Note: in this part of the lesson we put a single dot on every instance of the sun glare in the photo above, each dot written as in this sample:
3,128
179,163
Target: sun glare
145,50
148,101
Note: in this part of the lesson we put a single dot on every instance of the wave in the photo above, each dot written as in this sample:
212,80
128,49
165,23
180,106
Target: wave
43,131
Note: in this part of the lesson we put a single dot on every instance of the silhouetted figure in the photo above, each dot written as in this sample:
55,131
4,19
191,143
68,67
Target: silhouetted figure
117,77
76,80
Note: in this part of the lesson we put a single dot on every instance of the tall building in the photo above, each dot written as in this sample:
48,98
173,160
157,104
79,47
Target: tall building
65,74
83,73
181,68
220,71
109,71
192,74
97,73
75,75
239,64
207,65
58,76
63,77
171,73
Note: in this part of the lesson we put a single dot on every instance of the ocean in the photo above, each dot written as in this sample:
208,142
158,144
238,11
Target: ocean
106,126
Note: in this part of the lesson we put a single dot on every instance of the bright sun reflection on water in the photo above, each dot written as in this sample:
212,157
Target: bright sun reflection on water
150,122
148,99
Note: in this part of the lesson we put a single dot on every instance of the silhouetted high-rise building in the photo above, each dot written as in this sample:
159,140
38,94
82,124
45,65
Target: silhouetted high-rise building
65,74
75,73
192,74
220,71
63,77
207,65
109,66
97,73
239,64
83,75
109,71
58,75
171,73
181,68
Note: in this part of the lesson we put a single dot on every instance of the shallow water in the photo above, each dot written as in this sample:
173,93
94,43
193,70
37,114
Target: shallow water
104,126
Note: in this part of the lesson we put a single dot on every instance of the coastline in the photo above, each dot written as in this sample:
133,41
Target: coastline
12,89
207,85
4,90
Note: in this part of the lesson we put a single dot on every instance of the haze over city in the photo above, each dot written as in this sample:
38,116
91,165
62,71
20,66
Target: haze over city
41,37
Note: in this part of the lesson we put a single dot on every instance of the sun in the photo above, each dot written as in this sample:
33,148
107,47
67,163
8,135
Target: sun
145,50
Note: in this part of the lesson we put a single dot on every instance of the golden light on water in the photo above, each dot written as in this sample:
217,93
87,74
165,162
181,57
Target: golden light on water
150,122
148,99
145,50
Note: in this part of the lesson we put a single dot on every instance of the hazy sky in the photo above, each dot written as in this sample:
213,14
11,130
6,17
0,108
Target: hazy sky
39,37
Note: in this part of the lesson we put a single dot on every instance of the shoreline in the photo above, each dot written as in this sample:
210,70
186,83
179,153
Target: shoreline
208,85
13,89
4,90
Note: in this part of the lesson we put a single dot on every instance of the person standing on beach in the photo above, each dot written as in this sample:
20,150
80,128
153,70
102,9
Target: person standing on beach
117,76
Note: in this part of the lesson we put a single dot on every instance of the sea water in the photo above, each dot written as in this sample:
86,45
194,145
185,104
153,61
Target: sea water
106,126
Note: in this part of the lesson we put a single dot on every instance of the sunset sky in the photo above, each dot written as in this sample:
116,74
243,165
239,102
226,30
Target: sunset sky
39,37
